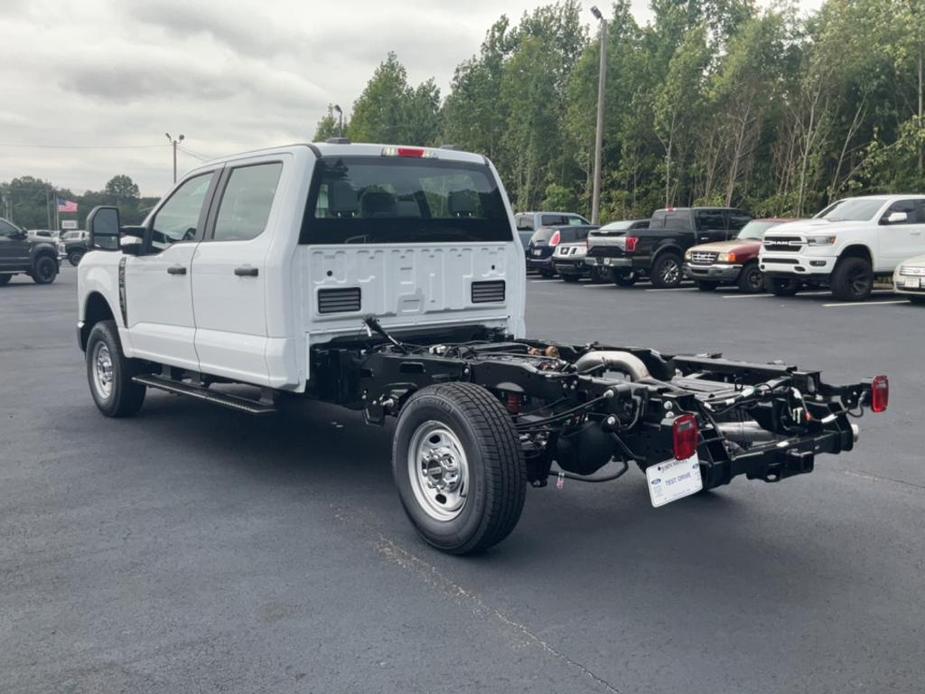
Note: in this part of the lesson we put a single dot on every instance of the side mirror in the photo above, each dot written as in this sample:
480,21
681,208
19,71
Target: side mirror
132,240
897,218
103,225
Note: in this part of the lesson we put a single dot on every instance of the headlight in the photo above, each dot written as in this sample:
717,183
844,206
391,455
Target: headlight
726,258
821,240
688,254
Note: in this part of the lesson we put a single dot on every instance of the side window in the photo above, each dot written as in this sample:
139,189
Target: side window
907,206
737,220
575,221
710,220
178,219
246,202
552,220
920,211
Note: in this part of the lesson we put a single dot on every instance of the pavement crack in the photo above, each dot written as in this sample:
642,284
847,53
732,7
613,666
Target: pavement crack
442,583
879,478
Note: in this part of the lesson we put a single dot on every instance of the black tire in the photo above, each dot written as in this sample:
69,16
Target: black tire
570,278
920,300
5,279
852,279
751,279
625,279
124,398
599,275
707,286
666,271
74,257
493,460
782,286
547,274
44,270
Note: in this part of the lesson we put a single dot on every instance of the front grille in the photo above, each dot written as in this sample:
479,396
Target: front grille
787,244
491,292
703,258
339,300
782,261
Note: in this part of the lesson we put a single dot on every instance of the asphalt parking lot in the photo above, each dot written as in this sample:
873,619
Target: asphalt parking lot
195,549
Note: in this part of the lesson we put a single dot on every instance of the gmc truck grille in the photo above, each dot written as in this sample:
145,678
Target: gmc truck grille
491,292
788,244
339,300
703,258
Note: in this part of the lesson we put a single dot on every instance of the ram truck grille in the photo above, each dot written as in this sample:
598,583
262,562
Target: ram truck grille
787,244
346,300
491,292
703,258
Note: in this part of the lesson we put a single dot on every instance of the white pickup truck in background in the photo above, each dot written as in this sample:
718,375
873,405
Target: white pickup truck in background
388,280
846,247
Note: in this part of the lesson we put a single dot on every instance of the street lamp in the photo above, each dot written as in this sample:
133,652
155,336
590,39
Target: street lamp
174,143
340,120
599,134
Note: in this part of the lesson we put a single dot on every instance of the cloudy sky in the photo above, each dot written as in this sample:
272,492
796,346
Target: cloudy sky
89,87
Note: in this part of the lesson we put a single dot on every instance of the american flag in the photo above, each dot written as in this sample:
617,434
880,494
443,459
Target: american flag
67,206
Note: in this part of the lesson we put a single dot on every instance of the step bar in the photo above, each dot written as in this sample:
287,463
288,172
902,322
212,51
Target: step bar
234,402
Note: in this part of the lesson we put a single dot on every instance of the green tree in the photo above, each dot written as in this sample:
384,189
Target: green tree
328,126
122,189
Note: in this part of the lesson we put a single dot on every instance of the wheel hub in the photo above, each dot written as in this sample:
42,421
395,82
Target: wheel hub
102,370
438,471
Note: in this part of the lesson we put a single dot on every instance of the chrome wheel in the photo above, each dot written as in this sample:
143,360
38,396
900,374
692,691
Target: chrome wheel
438,470
102,370
671,272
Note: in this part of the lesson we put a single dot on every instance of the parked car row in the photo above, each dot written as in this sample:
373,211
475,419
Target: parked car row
846,248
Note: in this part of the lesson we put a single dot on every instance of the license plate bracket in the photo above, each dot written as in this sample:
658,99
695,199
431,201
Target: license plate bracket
673,480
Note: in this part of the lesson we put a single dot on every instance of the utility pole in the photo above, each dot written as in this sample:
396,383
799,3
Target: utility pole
174,143
340,120
599,133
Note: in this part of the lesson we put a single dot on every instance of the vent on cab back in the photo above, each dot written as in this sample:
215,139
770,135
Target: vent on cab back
488,292
339,300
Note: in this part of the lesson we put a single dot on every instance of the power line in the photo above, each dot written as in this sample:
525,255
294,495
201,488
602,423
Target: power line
45,146
193,154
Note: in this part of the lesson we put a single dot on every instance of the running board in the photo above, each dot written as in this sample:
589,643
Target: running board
233,402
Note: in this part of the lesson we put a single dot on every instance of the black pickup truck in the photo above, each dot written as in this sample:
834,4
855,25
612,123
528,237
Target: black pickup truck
36,257
658,252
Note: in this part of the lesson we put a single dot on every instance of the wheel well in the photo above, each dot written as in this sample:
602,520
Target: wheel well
96,310
674,250
861,252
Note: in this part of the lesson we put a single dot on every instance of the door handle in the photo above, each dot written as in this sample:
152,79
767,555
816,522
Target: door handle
246,271
176,270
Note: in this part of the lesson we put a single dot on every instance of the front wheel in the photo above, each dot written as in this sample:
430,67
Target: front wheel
5,279
707,286
571,278
110,373
852,279
459,467
45,270
666,272
917,300
751,279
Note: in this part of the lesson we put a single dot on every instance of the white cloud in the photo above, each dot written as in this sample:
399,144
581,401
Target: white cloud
230,75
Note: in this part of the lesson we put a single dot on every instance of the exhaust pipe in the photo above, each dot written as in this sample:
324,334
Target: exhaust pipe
745,432
615,360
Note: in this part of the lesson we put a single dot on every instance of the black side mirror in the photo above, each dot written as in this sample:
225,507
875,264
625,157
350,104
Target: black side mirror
103,224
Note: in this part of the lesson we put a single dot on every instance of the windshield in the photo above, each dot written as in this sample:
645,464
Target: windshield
755,230
397,200
852,210
614,226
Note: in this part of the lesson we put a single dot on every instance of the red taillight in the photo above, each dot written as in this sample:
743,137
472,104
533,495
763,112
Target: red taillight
554,240
686,433
515,402
880,394
631,243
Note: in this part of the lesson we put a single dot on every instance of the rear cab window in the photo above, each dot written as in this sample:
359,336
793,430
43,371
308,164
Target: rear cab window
378,200
246,202
524,222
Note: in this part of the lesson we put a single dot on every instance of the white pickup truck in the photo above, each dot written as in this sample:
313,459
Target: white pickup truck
846,246
388,280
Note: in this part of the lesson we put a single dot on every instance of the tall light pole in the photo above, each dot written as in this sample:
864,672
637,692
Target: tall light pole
174,143
599,134
340,120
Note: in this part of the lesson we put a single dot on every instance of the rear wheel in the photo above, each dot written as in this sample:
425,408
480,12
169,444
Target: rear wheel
74,257
459,467
782,286
547,274
751,279
666,272
707,286
5,279
45,270
852,279
570,278
625,279
110,373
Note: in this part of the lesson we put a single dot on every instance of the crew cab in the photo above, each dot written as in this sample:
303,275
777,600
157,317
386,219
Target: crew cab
34,256
846,247
730,262
388,280
607,235
657,252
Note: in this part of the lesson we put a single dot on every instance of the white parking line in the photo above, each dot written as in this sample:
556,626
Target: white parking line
676,289
866,303
592,285
770,296
552,279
